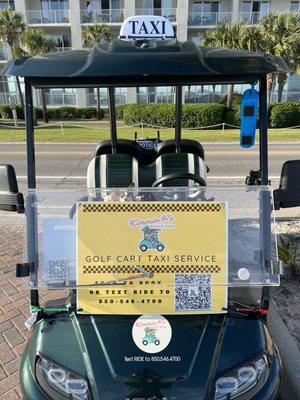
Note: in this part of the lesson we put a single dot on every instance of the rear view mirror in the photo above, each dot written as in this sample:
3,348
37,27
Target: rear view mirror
10,197
288,194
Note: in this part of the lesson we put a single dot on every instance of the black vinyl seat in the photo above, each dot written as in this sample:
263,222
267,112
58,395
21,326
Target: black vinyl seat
124,146
186,146
129,147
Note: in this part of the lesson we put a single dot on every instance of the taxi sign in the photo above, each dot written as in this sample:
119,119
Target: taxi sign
149,257
146,27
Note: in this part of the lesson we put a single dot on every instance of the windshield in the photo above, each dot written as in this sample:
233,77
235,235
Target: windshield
172,240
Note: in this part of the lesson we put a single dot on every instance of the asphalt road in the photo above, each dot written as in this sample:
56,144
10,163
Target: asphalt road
65,165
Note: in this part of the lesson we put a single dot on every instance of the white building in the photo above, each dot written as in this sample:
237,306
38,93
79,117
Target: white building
63,20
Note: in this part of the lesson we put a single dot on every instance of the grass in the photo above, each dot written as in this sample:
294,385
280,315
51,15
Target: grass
93,133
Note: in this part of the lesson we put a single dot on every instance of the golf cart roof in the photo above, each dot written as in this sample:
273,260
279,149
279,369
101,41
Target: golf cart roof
129,63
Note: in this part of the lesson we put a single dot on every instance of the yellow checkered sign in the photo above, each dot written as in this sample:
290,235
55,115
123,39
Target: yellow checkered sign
152,257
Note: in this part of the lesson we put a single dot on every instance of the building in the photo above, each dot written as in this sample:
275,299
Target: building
63,20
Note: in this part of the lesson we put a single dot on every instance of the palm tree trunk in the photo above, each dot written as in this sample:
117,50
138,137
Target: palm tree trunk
20,91
281,79
44,107
229,96
98,103
270,81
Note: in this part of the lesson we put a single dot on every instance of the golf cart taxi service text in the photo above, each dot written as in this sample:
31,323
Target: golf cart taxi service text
135,258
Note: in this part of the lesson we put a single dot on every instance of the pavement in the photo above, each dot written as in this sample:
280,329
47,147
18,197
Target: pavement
65,165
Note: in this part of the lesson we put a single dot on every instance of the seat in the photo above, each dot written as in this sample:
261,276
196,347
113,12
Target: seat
186,146
124,146
180,162
130,147
112,171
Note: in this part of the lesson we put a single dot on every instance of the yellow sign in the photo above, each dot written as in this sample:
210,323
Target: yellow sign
152,257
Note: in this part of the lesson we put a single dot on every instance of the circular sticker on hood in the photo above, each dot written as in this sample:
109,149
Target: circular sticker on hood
151,333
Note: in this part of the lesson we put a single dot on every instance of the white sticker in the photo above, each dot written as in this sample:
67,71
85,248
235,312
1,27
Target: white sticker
151,333
243,274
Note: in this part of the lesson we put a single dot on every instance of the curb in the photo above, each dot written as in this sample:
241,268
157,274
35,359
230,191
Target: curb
290,354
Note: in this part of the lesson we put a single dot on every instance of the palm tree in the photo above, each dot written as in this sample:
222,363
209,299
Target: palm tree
12,26
281,37
225,35
35,42
93,35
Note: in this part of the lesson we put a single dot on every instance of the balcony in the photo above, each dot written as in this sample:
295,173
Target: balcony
45,17
113,16
205,19
252,18
60,99
5,53
60,49
169,13
91,99
156,97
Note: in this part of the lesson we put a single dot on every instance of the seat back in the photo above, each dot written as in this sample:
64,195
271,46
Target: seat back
186,146
112,170
181,162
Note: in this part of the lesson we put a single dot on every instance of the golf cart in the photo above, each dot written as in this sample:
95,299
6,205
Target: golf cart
202,300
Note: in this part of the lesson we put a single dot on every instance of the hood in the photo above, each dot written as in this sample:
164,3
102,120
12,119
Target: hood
103,349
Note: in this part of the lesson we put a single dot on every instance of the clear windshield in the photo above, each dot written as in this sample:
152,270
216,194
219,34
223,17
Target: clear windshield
167,238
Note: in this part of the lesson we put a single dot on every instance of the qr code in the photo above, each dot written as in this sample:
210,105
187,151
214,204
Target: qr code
57,269
193,292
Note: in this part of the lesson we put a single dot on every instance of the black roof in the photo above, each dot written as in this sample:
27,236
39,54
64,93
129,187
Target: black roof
124,63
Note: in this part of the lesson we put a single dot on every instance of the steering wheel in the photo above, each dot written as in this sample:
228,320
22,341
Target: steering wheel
179,175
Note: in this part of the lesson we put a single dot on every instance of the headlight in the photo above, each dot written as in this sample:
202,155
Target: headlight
242,381
60,383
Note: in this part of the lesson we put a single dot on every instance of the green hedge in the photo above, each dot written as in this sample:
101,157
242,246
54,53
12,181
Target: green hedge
233,116
284,115
193,115
236,99
59,113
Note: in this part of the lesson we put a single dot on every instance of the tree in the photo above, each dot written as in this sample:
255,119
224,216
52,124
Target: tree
93,35
12,26
225,35
35,42
281,37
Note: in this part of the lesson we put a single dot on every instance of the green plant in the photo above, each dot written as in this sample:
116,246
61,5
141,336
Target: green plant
119,110
5,111
233,116
288,253
283,115
163,115
236,99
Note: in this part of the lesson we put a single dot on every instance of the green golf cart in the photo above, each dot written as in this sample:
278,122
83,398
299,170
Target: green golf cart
202,299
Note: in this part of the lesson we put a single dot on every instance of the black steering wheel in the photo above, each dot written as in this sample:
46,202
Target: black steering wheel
179,175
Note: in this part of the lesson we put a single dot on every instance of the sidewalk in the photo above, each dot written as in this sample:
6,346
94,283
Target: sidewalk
14,308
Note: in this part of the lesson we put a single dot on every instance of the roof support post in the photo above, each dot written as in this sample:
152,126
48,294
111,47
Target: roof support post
263,129
265,200
29,136
178,113
31,217
112,119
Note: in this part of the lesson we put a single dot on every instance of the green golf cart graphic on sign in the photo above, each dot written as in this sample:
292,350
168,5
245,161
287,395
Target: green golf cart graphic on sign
150,239
150,337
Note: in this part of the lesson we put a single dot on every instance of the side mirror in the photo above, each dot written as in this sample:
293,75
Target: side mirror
10,197
288,194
